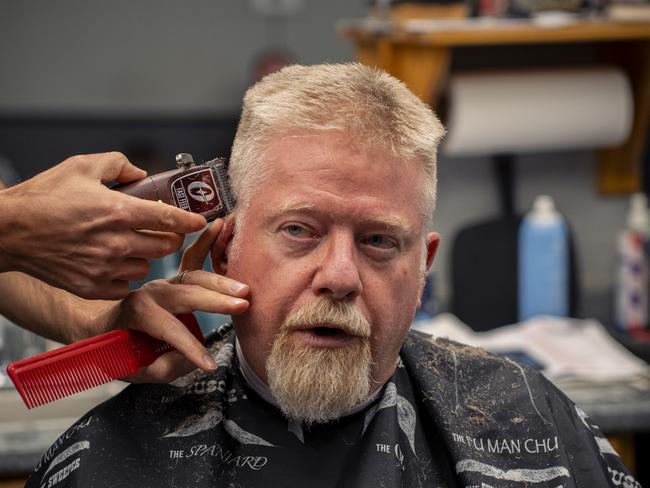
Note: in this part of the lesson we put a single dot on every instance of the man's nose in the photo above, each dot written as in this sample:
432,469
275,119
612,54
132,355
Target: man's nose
337,274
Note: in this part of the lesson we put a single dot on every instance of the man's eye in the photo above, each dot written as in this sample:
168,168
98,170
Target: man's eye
379,241
295,230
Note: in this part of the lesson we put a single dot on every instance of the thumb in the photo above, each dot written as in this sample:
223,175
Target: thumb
114,166
130,173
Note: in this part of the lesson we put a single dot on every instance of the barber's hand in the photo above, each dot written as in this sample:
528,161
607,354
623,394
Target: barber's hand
67,229
151,309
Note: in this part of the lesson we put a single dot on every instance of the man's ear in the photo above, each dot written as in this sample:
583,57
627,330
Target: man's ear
224,261
221,247
433,240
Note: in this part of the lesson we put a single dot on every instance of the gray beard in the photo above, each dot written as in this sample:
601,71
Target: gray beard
314,385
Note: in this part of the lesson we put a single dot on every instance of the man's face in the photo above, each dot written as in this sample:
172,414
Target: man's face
338,223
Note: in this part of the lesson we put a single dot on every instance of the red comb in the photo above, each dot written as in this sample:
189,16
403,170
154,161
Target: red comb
85,364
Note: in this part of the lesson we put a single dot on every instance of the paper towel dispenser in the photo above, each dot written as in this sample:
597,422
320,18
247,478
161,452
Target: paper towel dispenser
532,111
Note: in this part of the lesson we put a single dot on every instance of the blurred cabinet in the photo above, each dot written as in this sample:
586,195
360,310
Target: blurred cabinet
419,53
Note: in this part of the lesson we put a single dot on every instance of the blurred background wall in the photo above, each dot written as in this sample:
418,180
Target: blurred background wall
155,77
149,57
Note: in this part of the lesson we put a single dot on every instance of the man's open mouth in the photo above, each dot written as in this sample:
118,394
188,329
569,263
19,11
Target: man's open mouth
325,335
327,331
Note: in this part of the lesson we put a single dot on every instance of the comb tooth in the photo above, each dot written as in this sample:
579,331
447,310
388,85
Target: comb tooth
33,379
89,370
92,369
59,379
134,342
98,370
102,362
86,373
109,364
114,366
117,362
29,397
56,381
28,388
123,359
45,385
82,376
38,399
71,374
126,356
79,377
55,385
24,387
40,391
62,379
53,382
106,361
97,366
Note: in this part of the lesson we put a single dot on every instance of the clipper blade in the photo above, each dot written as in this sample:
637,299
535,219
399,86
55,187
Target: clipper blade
220,172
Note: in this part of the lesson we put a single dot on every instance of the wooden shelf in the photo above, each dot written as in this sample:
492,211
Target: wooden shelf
420,52
455,33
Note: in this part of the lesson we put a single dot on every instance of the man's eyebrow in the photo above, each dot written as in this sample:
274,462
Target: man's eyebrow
385,222
391,222
296,206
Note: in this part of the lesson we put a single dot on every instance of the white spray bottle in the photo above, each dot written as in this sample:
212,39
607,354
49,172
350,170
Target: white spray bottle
631,307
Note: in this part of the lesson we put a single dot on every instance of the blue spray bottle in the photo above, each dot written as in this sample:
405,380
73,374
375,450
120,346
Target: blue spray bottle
543,262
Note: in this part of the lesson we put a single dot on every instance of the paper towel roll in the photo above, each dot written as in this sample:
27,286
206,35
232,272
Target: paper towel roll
515,112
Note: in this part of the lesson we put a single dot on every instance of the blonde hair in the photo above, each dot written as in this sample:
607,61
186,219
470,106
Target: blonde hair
365,103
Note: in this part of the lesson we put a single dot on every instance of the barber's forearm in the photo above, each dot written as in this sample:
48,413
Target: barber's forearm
8,218
52,312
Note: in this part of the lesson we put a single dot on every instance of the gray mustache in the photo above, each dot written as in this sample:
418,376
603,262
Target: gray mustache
327,313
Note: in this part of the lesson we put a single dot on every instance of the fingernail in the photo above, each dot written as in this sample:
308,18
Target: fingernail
236,286
238,301
209,362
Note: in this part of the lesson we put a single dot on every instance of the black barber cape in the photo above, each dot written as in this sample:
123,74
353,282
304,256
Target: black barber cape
450,416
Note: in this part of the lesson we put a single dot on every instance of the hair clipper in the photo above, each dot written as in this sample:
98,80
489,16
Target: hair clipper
202,189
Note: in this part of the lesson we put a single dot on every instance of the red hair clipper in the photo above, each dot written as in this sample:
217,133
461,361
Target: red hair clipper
202,189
